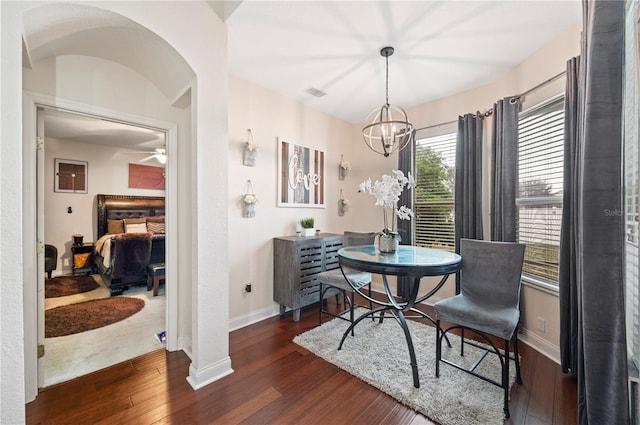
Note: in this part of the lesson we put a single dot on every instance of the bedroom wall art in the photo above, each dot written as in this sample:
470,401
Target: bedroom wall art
70,176
301,171
146,177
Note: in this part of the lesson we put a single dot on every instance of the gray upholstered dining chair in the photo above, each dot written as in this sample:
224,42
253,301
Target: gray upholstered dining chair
488,304
333,281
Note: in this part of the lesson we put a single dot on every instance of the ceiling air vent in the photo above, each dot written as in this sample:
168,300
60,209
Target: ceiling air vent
315,92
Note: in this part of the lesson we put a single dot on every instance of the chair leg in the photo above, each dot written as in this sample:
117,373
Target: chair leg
49,274
516,356
321,303
156,285
505,378
462,341
351,302
438,348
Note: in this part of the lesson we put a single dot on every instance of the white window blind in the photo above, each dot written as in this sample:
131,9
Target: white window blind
540,187
433,197
632,188
631,248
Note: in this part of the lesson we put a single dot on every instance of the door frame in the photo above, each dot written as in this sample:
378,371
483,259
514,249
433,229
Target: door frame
33,261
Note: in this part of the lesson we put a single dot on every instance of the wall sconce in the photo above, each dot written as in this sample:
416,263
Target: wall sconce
343,204
344,168
250,151
249,201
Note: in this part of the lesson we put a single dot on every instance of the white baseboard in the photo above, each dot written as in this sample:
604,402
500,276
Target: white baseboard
542,346
253,317
200,378
184,344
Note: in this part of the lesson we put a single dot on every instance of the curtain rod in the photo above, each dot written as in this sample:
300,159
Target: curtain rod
489,111
437,125
542,84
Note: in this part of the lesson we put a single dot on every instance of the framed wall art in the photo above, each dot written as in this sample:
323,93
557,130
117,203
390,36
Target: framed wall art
70,176
301,171
146,177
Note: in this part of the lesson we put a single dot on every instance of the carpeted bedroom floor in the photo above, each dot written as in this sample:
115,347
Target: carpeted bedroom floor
68,357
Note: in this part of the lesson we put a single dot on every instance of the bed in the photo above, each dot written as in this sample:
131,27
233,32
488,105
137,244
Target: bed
130,237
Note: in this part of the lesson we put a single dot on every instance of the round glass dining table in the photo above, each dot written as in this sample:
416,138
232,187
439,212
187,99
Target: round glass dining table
411,261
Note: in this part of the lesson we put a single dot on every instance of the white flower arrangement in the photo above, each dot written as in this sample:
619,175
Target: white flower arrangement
343,205
387,193
343,168
250,198
251,146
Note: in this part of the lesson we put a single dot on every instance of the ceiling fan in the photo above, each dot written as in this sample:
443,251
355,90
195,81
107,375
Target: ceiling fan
160,155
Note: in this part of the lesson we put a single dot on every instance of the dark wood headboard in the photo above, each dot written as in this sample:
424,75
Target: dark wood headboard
118,207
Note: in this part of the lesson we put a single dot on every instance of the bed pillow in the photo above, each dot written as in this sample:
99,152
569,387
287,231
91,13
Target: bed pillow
115,226
135,227
156,219
155,227
136,220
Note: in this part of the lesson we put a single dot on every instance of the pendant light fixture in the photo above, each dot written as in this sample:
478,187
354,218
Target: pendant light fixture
389,129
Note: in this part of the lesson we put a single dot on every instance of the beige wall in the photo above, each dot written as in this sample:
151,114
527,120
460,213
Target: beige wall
270,116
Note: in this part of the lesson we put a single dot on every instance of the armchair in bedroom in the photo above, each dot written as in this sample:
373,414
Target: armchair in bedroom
50,259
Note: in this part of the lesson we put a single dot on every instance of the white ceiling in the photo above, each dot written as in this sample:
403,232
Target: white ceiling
441,48
80,128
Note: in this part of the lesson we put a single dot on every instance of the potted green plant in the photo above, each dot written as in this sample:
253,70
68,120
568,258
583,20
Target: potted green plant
307,226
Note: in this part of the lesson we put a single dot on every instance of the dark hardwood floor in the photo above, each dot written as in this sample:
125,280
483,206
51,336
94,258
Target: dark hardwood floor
275,382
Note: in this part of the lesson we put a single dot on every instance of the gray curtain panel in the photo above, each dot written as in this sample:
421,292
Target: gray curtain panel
504,170
468,183
405,227
405,164
600,358
568,279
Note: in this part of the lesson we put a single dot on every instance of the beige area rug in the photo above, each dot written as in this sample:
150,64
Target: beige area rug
378,355
67,357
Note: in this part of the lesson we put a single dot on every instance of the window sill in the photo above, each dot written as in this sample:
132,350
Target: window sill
540,285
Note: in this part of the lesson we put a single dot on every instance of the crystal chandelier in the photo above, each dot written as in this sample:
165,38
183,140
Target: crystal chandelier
389,129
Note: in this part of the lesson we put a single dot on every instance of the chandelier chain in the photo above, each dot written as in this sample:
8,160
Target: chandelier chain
387,81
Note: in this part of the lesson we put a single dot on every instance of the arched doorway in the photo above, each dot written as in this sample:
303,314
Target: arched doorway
199,35
49,64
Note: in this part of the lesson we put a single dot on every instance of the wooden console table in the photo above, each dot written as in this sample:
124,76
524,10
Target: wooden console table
297,261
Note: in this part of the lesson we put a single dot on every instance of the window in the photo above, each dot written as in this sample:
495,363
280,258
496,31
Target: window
539,196
632,188
435,159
